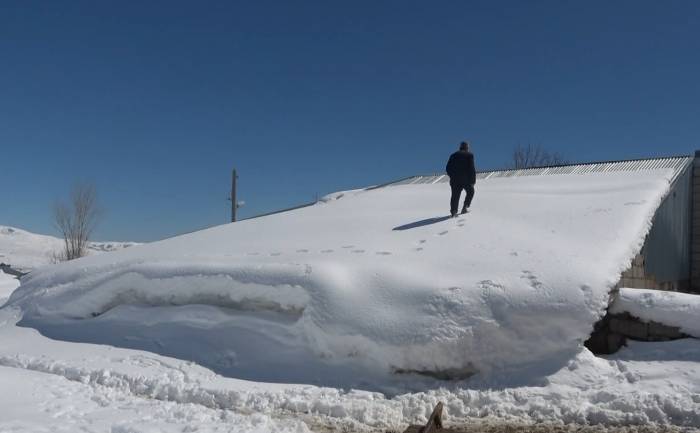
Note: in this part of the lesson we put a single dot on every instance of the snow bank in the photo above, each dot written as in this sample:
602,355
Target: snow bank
34,401
26,251
374,281
643,383
681,310
8,284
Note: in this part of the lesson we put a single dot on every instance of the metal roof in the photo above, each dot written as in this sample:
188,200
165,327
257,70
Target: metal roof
677,163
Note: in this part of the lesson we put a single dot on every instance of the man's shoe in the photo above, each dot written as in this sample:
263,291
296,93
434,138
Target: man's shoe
453,214
465,210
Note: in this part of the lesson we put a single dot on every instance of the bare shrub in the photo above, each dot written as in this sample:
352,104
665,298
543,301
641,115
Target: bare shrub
57,256
535,156
76,221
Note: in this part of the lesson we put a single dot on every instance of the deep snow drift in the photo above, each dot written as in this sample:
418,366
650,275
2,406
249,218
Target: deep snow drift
368,283
25,250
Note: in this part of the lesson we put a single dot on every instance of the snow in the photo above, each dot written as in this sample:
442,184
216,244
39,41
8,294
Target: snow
40,402
91,387
681,310
369,281
346,293
25,250
8,284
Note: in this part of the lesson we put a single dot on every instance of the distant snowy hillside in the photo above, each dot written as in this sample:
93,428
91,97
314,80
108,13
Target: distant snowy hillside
24,250
374,282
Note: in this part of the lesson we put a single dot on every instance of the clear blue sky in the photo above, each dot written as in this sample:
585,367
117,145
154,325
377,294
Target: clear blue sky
155,102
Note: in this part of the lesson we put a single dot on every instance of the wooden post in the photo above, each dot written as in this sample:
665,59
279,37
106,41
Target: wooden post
433,425
234,203
435,421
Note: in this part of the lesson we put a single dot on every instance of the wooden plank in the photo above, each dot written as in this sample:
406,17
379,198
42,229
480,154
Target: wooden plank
433,425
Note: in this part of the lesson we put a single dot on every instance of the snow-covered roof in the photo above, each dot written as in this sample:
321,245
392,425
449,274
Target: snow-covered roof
370,282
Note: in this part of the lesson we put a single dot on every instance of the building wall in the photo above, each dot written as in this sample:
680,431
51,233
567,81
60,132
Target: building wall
665,260
695,227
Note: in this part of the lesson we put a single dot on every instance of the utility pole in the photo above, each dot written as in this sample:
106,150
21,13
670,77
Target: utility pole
234,203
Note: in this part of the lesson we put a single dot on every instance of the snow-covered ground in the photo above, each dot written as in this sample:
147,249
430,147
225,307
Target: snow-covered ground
366,291
62,386
25,250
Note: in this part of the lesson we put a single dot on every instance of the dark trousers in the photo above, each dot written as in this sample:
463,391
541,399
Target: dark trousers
456,192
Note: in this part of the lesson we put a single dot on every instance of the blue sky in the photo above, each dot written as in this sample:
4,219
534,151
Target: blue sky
155,102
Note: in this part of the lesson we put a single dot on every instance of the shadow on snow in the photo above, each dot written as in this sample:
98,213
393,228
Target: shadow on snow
421,223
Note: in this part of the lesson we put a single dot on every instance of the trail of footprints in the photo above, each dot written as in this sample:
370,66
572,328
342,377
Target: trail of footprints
354,250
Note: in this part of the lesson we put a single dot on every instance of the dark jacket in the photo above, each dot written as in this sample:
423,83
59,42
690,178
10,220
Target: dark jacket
460,168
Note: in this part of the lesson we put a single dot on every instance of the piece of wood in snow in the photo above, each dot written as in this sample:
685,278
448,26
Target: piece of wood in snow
433,425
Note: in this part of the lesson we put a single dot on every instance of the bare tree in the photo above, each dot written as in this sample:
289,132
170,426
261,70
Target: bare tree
535,156
76,221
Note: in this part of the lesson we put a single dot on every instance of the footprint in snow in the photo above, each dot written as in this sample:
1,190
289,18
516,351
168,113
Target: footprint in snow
383,253
422,241
442,233
303,251
253,254
275,254
348,246
358,251
326,251
418,249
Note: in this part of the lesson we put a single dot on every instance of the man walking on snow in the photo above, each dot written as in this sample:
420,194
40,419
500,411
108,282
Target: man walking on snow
460,168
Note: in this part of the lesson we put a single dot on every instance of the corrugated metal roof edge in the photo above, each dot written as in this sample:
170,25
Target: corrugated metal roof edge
596,162
688,161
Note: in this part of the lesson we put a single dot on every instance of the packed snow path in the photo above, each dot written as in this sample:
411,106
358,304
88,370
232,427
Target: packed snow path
369,283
